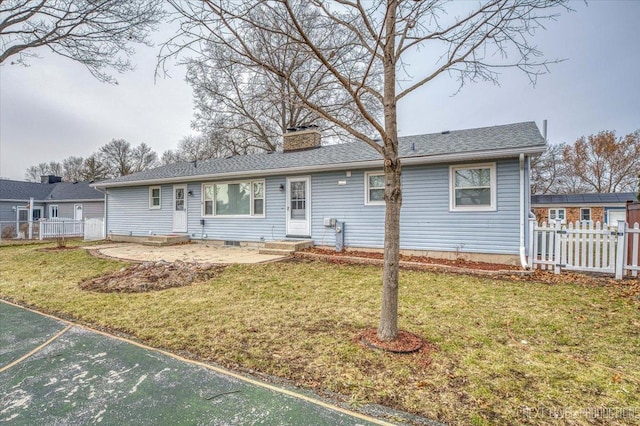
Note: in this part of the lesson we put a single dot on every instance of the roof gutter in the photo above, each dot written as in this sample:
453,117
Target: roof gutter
407,161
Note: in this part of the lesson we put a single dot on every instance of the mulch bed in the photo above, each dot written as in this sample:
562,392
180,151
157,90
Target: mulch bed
63,248
420,262
152,276
405,343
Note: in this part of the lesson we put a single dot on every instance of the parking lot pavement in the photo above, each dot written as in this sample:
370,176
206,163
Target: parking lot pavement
53,372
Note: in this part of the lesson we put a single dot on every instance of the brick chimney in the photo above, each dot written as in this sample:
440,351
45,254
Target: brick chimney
50,179
302,137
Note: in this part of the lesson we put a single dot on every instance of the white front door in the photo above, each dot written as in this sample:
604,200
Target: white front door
77,212
179,208
299,206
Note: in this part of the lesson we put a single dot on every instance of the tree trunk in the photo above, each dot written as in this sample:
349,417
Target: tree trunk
388,328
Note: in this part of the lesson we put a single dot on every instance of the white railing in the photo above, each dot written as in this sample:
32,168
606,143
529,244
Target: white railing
585,247
61,227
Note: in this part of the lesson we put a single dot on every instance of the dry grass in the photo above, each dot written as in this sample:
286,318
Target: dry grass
502,347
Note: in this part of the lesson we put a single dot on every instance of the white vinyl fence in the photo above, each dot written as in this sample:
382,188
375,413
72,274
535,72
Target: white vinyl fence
585,247
60,227
94,229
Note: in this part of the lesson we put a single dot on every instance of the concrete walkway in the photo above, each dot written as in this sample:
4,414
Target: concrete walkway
195,252
54,372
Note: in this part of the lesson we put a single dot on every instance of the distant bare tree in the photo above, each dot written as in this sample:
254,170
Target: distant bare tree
72,168
603,162
120,159
143,158
33,173
547,171
195,148
351,39
93,169
98,34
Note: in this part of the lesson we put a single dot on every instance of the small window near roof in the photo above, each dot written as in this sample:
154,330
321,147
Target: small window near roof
374,188
585,215
154,197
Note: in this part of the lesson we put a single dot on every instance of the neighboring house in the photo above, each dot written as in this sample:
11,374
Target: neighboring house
603,208
51,199
464,191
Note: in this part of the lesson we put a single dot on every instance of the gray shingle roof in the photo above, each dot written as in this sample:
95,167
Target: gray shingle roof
510,137
63,191
74,191
586,199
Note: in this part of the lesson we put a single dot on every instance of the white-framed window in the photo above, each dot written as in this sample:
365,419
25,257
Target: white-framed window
374,188
473,187
585,214
229,199
53,211
155,197
555,214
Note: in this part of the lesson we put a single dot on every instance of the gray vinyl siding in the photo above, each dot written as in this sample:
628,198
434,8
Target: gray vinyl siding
7,214
129,211
426,222
90,209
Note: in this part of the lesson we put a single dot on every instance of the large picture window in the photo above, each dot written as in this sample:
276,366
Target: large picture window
244,198
374,187
473,187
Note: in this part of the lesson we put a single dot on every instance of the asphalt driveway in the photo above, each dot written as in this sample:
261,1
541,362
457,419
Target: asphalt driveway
54,372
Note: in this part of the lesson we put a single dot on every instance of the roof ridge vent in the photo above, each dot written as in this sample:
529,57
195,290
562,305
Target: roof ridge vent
445,132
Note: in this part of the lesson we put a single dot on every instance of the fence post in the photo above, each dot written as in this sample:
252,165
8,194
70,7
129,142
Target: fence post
621,249
556,246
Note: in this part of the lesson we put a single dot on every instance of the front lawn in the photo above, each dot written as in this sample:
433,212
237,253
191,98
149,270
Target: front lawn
503,352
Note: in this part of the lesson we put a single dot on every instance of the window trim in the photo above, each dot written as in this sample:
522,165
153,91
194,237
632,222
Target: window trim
493,187
590,217
367,200
151,206
557,209
51,207
251,182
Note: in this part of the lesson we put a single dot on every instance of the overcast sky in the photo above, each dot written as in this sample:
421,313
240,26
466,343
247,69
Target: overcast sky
54,108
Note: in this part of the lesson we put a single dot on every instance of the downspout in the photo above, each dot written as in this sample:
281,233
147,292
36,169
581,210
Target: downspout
523,249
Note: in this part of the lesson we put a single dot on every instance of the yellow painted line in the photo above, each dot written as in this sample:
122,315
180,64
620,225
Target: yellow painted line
22,358
219,370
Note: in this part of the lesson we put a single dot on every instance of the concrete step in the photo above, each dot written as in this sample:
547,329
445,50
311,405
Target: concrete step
277,252
172,239
293,245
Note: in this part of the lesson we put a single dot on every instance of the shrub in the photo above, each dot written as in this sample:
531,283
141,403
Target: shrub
8,231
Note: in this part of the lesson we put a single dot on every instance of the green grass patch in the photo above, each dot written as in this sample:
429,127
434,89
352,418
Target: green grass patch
504,349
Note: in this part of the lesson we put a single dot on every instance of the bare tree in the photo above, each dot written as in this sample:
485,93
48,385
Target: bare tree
33,173
93,169
547,171
471,43
143,158
195,148
604,163
98,34
72,168
253,107
120,159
